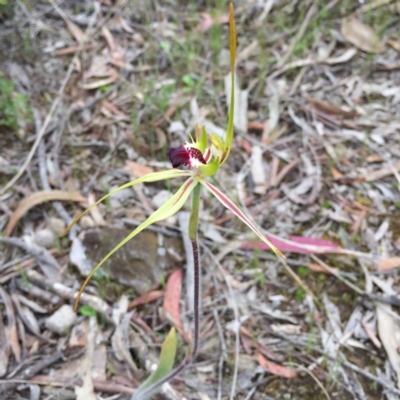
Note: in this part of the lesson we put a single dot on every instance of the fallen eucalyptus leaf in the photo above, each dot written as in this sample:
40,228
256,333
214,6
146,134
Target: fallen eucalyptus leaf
361,35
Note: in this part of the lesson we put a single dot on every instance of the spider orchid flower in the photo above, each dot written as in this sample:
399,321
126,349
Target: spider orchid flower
203,156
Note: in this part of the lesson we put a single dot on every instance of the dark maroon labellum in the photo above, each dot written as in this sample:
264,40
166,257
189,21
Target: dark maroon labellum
184,155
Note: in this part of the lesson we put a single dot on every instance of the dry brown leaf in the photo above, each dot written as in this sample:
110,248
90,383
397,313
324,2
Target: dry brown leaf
336,174
111,107
395,44
38,198
101,82
361,35
147,298
75,31
276,369
73,49
109,38
137,170
172,298
329,108
381,173
389,263
374,158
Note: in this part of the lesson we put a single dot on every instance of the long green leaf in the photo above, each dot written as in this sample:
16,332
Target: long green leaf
167,358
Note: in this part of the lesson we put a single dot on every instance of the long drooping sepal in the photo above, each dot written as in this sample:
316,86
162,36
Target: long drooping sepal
239,213
232,42
153,177
171,207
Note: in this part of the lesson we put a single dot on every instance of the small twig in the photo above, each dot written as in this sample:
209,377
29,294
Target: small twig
67,293
40,254
223,352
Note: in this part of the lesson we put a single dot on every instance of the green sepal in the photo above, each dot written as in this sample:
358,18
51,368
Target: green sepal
209,169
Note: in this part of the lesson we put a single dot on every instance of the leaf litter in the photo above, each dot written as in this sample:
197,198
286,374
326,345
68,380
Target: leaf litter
315,165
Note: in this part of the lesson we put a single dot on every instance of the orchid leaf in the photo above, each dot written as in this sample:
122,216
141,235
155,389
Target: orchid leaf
167,358
239,213
153,177
171,207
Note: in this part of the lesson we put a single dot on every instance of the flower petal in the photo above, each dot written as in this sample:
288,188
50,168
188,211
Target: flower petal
171,207
239,213
153,177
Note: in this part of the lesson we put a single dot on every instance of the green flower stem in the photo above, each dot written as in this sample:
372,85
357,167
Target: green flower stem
194,216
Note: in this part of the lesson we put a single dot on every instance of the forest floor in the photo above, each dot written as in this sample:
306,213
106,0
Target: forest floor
93,94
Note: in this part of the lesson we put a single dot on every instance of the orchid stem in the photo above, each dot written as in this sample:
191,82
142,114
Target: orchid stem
192,353
193,228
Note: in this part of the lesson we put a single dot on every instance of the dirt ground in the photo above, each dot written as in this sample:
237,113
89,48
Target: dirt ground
92,96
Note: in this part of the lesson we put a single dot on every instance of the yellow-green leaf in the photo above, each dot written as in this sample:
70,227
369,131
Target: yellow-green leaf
164,367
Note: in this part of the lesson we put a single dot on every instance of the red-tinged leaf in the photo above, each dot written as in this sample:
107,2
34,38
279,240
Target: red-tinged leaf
296,244
172,298
147,298
276,369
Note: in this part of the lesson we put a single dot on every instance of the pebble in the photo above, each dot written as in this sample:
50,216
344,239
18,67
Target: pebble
62,320
57,225
87,222
44,238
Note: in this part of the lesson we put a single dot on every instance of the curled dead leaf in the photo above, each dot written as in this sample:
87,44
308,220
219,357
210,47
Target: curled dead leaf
360,35
38,198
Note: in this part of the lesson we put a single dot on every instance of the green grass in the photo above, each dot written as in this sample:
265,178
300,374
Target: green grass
13,105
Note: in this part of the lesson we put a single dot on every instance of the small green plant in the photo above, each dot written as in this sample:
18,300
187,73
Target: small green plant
12,105
203,157
88,311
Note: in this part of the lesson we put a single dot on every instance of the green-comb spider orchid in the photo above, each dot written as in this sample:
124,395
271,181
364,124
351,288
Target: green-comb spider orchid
203,156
